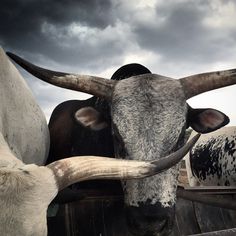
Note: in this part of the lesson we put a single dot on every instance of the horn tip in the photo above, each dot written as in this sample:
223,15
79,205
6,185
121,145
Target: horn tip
196,137
11,55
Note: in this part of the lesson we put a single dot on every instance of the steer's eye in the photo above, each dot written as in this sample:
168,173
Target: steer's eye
116,134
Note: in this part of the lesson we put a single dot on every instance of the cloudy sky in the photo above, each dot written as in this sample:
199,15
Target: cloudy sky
174,38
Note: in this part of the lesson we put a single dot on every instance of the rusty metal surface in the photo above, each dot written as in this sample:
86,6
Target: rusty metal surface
228,232
101,213
105,216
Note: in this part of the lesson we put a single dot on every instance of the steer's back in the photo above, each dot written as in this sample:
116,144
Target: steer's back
22,123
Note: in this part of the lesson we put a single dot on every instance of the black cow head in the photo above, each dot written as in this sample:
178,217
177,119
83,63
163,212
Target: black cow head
149,116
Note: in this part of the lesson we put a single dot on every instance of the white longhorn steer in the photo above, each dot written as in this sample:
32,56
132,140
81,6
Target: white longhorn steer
26,188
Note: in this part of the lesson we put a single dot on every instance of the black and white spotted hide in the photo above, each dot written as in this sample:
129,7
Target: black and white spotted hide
212,161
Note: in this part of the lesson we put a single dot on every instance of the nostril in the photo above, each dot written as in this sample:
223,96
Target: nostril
149,220
152,219
147,228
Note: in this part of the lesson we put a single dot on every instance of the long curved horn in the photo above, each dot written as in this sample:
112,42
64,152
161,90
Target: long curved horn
200,83
71,170
97,86
171,160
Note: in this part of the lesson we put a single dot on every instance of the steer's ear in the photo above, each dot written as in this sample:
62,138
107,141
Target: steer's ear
90,118
206,120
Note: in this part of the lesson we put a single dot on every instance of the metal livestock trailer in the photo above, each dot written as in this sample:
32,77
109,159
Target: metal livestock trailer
104,216
100,212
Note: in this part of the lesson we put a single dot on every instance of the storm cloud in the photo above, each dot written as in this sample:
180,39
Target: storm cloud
173,38
46,27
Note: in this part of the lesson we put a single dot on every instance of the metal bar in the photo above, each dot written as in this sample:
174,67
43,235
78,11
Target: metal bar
206,199
227,232
212,189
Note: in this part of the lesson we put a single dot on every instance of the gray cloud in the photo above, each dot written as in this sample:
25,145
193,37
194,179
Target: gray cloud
182,36
34,27
48,29
23,18
170,37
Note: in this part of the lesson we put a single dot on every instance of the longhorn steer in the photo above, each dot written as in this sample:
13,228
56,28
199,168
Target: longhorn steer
149,115
212,161
26,188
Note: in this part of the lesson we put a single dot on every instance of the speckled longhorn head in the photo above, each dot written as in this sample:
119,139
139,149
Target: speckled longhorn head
149,116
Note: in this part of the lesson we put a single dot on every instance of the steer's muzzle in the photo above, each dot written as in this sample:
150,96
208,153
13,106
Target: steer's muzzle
150,220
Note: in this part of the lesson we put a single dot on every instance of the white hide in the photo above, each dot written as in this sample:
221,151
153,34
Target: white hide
191,179
22,123
24,138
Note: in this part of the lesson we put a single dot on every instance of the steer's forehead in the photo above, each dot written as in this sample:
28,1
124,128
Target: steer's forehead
150,110
146,94
149,83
